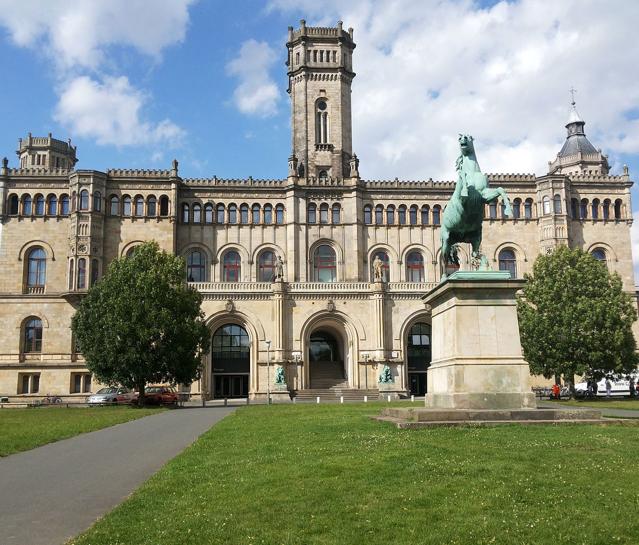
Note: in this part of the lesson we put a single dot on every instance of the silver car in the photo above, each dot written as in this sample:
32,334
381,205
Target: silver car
110,395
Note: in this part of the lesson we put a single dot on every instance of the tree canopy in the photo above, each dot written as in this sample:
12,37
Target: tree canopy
575,318
141,323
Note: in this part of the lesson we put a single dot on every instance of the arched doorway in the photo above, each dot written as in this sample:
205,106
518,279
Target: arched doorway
418,350
326,359
230,357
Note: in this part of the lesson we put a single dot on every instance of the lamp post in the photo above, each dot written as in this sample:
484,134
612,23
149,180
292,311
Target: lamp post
268,372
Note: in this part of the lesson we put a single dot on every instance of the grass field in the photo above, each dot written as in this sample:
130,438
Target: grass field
24,429
309,474
629,404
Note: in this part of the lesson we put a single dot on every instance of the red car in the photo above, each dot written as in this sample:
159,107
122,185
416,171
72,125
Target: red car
158,395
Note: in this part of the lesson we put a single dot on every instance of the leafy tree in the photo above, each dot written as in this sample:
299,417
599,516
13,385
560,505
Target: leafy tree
142,323
575,318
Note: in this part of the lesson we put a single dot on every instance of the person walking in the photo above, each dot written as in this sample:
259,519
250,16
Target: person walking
608,387
556,391
631,387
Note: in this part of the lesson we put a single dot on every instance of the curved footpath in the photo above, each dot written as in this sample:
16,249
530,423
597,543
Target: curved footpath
605,411
52,493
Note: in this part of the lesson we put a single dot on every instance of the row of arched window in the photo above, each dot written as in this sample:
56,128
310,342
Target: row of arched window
596,209
39,205
139,206
220,213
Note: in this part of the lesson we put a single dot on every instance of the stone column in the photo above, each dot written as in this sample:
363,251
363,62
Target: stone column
477,358
377,298
277,350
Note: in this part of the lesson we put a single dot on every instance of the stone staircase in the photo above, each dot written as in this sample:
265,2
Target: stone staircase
328,383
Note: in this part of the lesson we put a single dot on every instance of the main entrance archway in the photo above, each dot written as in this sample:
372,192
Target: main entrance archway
419,357
326,359
231,361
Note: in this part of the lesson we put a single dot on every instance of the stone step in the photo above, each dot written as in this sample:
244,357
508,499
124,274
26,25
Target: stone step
329,394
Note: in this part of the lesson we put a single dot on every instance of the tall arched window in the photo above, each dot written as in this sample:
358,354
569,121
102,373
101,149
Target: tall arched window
618,204
151,206
71,274
390,215
324,213
368,214
336,214
546,205
279,214
164,205
557,201
220,213
321,122
256,214
244,214
139,206
32,340
36,268
84,200
64,205
414,267
208,213
39,205
266,266
186,213
517,208
437,213
594,209
196,267
126,205
600,255
14,205
268,214
418,352
425,215
379,214
492,210
114,209
52,205
583,209
231,267
97,201
324,264
311,214
508,262
383,256
606,209
82,273
197,213
528,209
232,213
27,205
413,215
401,214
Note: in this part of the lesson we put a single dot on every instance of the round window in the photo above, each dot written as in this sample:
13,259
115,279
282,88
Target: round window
321,105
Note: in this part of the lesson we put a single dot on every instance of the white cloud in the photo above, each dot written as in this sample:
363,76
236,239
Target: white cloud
77,33
109,112
256,92
429,70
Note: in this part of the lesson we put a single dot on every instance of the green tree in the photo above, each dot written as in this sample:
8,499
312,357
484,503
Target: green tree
575,318
142,323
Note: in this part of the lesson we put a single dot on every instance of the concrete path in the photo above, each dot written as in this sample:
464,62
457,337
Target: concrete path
605,411
52,493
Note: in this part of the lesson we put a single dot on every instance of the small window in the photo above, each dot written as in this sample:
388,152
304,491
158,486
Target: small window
618,204
508,262
390,215
244,214
594,209
546,205
197,213
64,205
336,214
39,205
323,175
312,214
256,214
196,267
97,201
84,200
279,214
379,214
32,341
324,213
368,214
557,204
437,210
425,215
220,213
208,213
414,267
401,215
413,215
26,205
516,209
164,205
528,209
186,213
231,267
36,268
268,214
28,383
583,209
492,210
599,254
80,383
151,206
52,205
606,209
139,206
232,213
114,206
82,273
126,206
14,205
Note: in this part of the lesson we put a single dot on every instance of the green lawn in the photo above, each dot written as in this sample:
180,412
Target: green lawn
308,474
24,429
630,404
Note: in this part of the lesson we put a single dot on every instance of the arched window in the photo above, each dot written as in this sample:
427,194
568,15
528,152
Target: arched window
323,175
139,206
36,268
324,264
606,209
418,352
266,266
594,212
311,215
256,214
71,274
390,215
336,214
425,215
114,206
279,214
244,214
492,210
379,214
151,206
557,202
84,200
574,208
324,213
268,214
197,213
231,267
383,256
74,201
546,205
52,205
186,215
95,271
508,262
502,211
131,251
414,267
14,205
220,213
618,204
401,214
196,267
27,205
321,122
39,205
368,214
528,203
82,273
231,356
64,205
232,213
97,201
208,213
164,205
600,255
126,205
32,340
413,215
517,208
583,209
437,212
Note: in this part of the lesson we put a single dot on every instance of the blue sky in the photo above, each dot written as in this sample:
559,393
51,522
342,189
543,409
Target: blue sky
135,83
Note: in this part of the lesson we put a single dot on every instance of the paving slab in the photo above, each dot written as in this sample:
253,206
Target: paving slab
52,493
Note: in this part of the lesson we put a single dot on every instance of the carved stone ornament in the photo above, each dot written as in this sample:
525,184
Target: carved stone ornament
82,249
230,306
428,307
330,306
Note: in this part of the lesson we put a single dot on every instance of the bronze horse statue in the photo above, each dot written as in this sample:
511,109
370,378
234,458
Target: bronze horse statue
464,213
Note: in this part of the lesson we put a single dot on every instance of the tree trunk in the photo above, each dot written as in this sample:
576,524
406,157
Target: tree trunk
141,394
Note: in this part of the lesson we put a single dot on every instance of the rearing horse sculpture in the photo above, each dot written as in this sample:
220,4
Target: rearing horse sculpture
464,213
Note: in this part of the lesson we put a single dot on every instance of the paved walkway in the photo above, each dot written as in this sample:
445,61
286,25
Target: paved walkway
605,411
52,493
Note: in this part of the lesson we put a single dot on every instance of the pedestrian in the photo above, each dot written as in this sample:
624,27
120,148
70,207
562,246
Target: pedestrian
556,391
608,387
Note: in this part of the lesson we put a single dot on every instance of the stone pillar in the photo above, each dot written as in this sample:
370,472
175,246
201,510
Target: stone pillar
477,359
378,319
277,350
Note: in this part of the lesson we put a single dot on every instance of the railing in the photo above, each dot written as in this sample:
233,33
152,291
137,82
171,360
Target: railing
34,290
232,287
328,286
305,287
411,286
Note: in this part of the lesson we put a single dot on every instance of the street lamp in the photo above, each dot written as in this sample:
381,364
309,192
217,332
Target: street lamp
268,372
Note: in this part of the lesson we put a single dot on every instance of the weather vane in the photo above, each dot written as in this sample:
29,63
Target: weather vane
572,94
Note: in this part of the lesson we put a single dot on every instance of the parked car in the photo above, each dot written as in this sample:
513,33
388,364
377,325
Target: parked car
620,386
158,395
110,395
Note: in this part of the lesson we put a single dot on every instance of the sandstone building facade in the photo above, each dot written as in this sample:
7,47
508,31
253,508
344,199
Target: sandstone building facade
326,321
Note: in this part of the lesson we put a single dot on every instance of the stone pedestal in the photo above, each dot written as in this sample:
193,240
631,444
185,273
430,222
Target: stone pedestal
477,360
